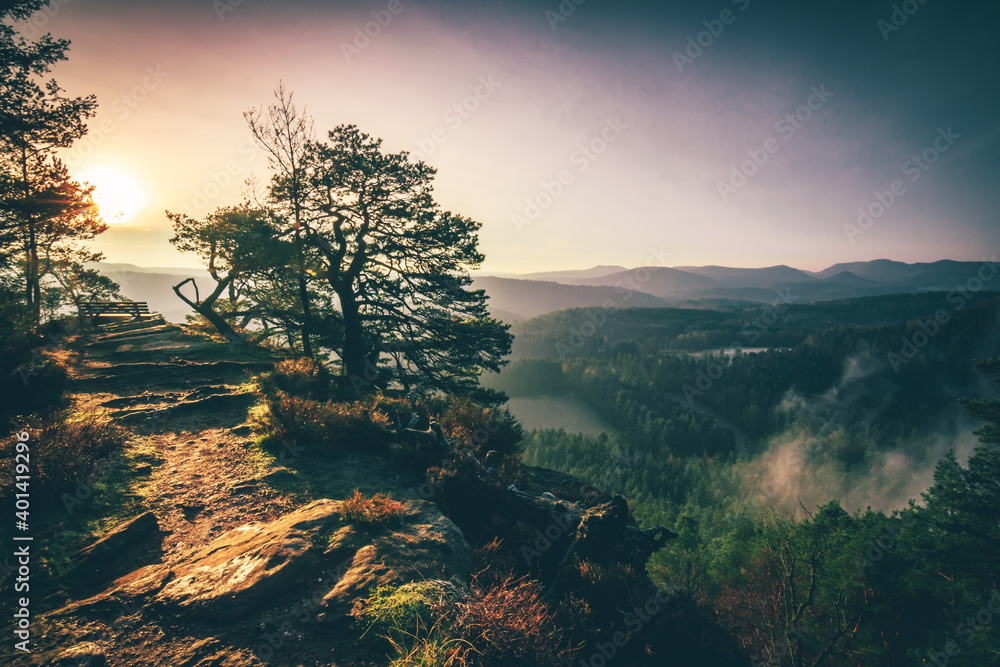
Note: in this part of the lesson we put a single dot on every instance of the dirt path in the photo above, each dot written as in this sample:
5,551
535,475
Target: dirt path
185,398
192,463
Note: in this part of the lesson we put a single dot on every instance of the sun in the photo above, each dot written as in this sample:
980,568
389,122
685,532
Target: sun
118,197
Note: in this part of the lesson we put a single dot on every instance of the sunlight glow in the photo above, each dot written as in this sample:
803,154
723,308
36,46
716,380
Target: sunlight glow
118,196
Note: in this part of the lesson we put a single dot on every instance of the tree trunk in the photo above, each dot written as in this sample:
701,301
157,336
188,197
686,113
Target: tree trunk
303,292
34,291
204,308
353,354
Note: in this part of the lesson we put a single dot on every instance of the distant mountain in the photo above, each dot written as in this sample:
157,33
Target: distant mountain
513,299
846,277
660,281
879,270
510,299
520,298
564,276
132,268
765,277
944,275
683,284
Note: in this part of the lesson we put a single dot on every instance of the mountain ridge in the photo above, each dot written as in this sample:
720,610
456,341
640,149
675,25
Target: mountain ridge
523,296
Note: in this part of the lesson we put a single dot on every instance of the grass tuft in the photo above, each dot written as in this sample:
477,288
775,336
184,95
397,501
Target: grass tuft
378,510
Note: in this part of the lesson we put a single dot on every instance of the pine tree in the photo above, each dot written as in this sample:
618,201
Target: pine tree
43,211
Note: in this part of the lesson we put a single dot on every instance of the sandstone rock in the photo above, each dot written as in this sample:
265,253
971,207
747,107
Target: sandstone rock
86,654
240,570
265,565
118,544
123,593
606,534
427,545
210,652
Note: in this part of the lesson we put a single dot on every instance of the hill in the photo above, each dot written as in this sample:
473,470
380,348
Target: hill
514,299
765,277
524,299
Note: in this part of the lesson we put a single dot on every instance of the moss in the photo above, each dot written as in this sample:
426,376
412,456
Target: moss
397,615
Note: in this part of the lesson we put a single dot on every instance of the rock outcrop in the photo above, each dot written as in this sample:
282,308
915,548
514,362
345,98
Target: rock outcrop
258,566
116,552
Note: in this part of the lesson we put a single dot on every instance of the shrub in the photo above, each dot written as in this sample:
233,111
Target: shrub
607,587
429,623
594,598
378,510
510,624
478,428
494,562
432,651
576,613
66,447
42,386
343,424
398,614
301,377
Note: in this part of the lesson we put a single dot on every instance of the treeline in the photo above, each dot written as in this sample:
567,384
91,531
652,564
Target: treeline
825,587
890,380
712,325
915,587
46,216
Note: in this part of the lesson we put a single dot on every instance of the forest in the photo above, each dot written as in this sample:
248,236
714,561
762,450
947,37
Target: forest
769,464
806,483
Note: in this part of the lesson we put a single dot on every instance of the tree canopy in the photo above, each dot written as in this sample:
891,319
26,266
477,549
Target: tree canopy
358,262
44,213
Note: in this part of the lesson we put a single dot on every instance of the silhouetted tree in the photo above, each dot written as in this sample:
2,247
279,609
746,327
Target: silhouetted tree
285,134
398,265
42,210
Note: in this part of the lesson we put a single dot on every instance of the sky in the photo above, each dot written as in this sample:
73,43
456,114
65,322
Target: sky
732,132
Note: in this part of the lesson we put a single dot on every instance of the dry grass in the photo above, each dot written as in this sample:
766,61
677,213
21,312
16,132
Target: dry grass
66,447
510,624
301,377
287,417
378,510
